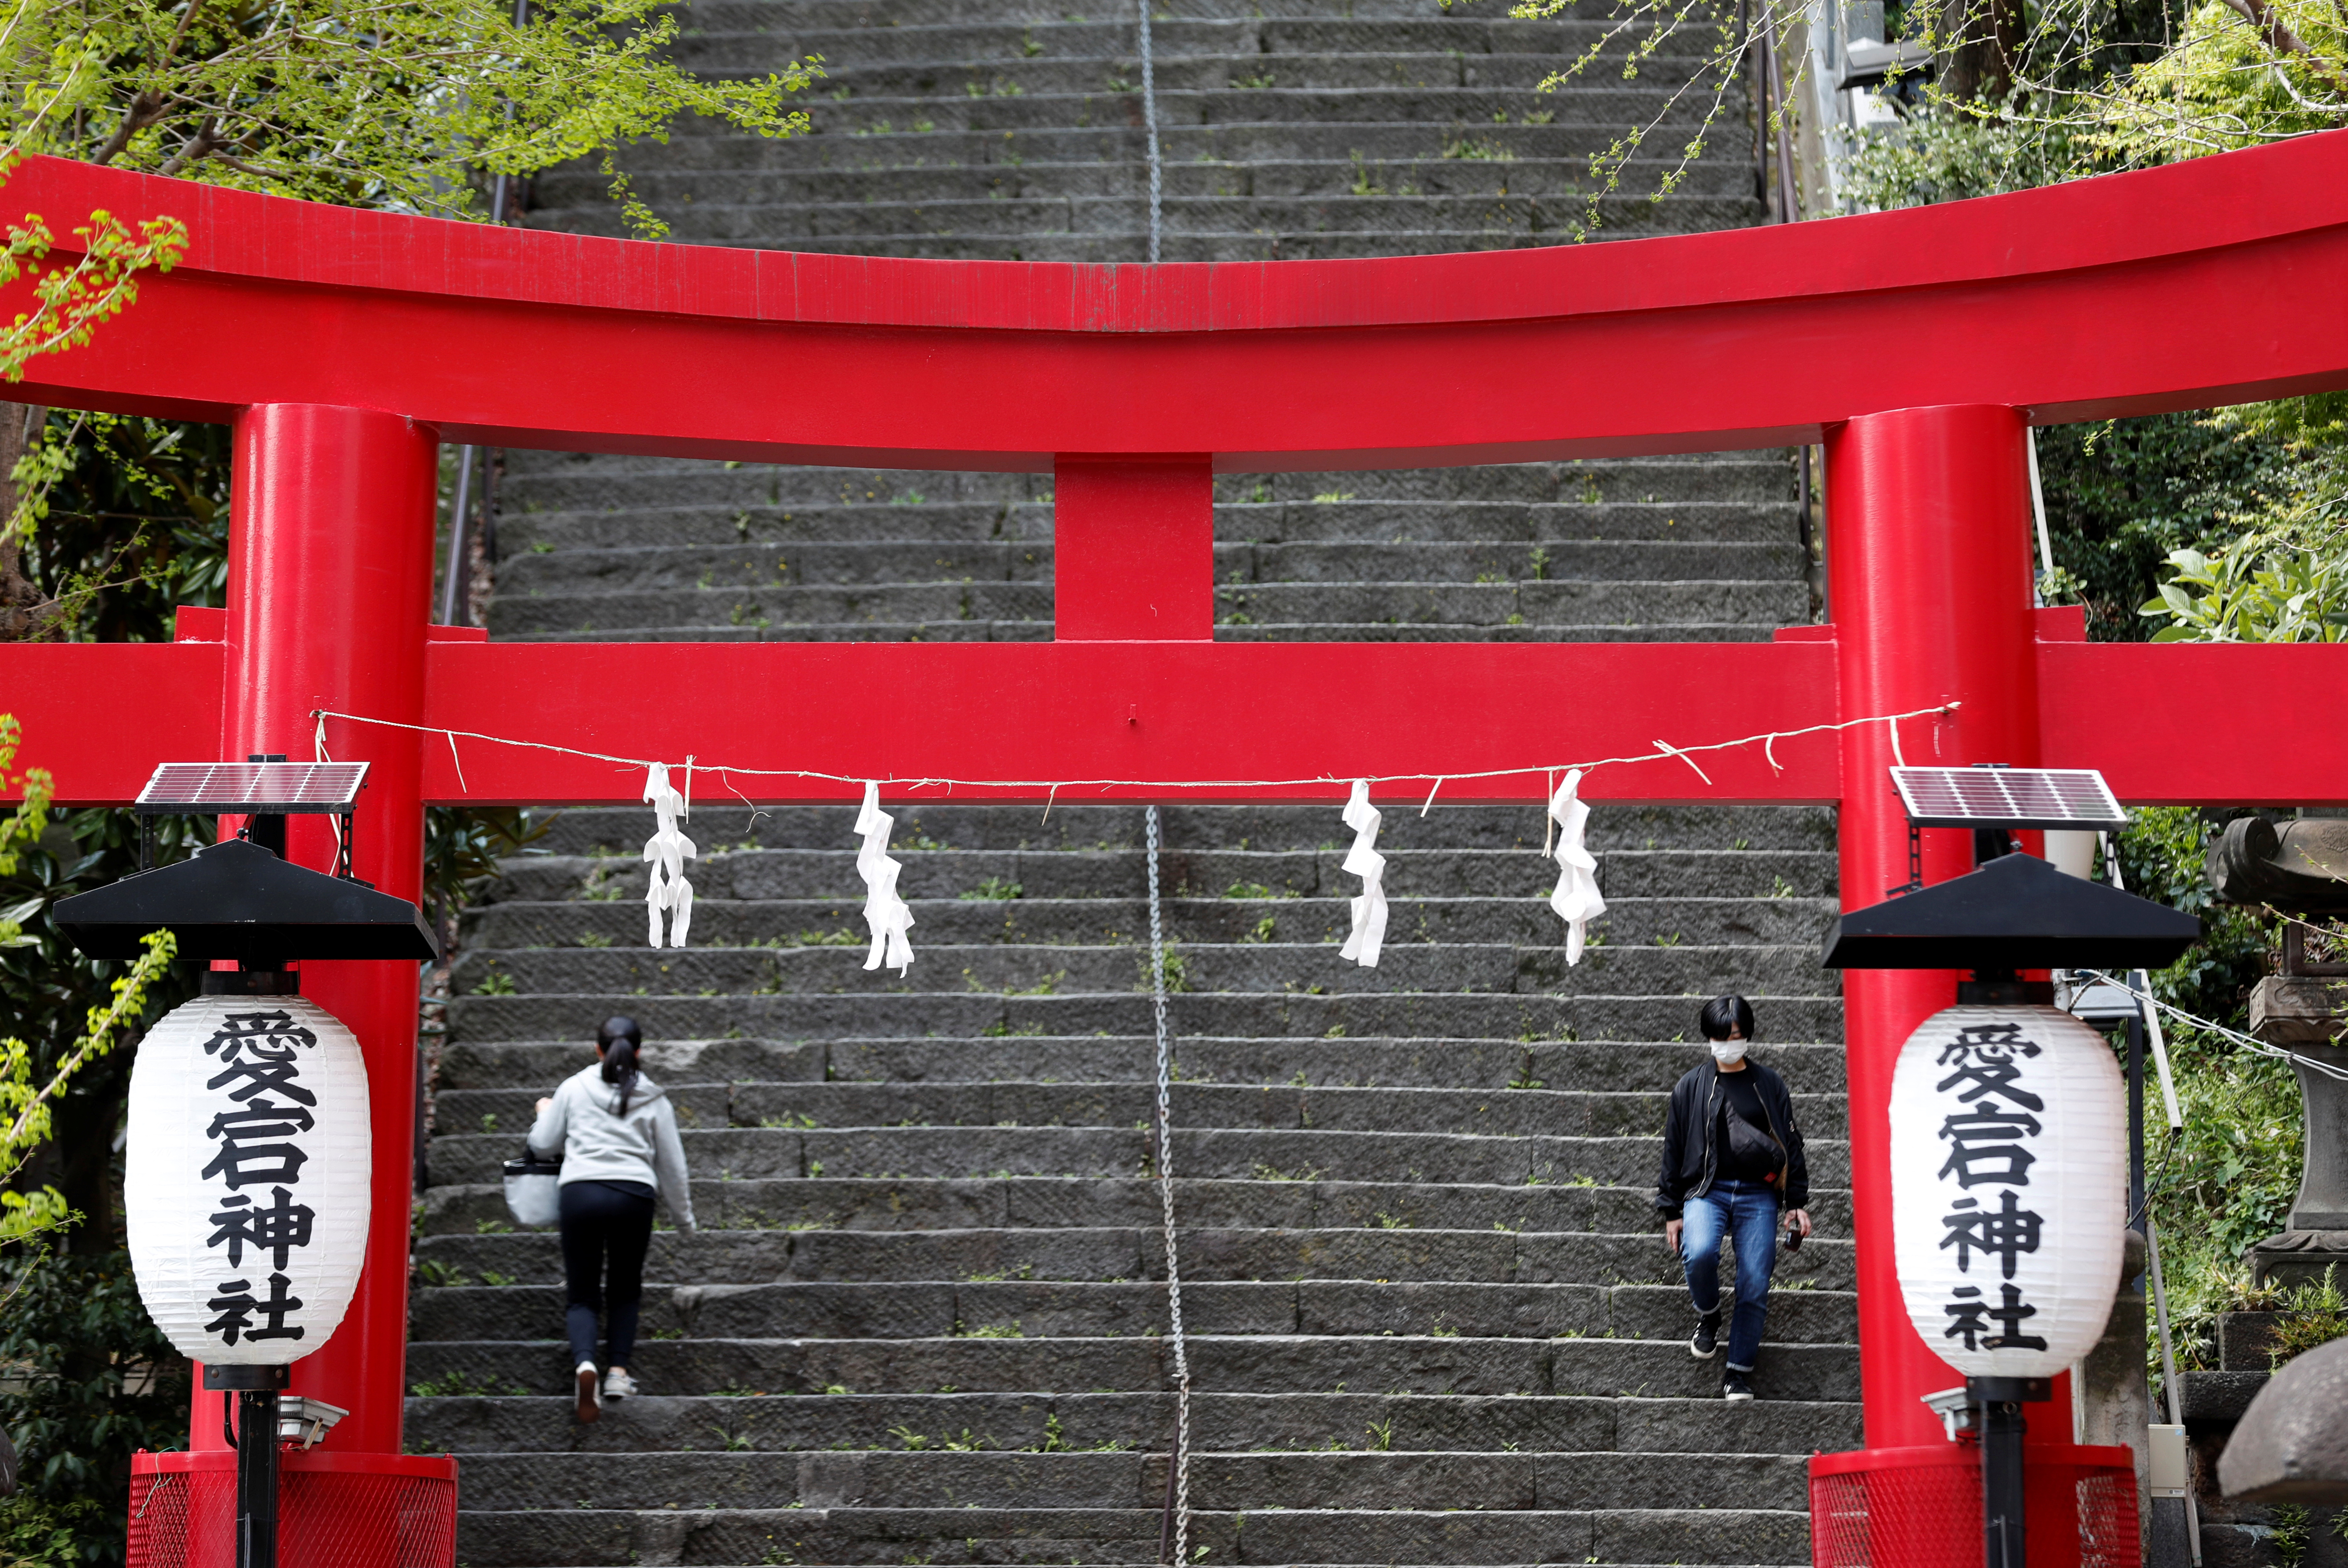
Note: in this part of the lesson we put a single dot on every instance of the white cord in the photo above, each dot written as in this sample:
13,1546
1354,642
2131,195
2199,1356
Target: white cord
1165,1197
2247,1042
1550,769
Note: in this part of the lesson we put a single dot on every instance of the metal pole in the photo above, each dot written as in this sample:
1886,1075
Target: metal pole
2002,1427
459,566
256,1479
2135,1122
2168,1388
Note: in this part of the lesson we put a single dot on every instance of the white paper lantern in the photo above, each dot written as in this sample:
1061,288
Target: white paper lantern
246,1179
2008,1187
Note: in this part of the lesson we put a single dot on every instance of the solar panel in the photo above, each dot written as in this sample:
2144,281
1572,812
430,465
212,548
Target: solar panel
2008,798
299,788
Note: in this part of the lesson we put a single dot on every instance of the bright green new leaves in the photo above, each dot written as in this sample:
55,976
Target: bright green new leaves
2238,75
25,1093
2262,590
396,105
71,297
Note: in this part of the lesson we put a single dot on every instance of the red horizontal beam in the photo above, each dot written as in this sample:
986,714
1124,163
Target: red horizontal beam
2200,724
100,716
1064,711
1751,337
1232,711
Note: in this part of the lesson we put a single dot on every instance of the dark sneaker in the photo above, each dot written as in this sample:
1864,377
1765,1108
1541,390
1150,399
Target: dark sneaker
1706,1343
591,1398
1734,1386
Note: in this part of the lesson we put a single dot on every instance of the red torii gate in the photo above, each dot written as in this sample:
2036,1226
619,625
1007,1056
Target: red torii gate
1918,345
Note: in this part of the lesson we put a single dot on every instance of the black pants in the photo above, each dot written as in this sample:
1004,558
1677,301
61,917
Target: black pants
604,1220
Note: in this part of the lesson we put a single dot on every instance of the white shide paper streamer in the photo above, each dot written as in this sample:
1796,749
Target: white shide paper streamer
1369,932
1576,900
883,910
667,850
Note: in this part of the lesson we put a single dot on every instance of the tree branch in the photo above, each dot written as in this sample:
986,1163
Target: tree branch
2279,37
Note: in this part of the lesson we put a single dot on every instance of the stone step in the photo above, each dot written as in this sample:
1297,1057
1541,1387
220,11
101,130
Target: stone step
934,870
1093,1310
1614,831
1456,1063
667,568
865,1013
592,1538
1121,1254
765,629
1202,228
619,483
1461,42
896,169
1554,1112
863,532
1216,85
935,1478
1417,1423
752,15
1657,604
1396,1363
1245,968
1691,922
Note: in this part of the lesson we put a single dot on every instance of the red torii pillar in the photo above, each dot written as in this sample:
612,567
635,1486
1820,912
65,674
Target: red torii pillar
1928,563
315,623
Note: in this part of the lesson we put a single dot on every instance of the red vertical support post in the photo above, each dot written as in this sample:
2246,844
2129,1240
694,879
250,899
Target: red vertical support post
1133,549
1930,563
329,583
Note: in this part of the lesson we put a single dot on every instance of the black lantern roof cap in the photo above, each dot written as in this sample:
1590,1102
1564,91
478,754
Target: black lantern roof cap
237,900
2014,912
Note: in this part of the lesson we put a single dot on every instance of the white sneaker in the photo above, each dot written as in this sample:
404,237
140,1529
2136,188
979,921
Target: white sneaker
617,1384
591,1399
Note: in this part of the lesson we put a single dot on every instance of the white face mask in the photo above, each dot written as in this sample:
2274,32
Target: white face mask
1728,1053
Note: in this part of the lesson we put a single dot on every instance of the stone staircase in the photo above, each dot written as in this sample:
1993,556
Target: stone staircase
1431,1318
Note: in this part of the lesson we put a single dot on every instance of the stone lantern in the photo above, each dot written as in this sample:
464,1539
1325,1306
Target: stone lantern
2300,867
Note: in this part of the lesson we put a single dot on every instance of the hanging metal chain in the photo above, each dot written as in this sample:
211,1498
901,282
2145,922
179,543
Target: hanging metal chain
1157,168
1178,1499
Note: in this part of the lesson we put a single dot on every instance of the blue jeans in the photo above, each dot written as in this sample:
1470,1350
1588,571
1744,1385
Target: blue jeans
1750,1210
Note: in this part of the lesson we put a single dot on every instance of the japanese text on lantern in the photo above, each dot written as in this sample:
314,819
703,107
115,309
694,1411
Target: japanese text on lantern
1989,1134
257,1225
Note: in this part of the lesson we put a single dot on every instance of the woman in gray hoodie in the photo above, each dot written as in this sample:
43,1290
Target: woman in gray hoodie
615,1132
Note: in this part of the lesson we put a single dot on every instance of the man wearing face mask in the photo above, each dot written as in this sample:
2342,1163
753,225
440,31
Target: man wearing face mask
1732,1158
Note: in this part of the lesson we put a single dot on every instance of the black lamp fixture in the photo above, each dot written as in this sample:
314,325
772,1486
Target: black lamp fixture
240,898
2012,912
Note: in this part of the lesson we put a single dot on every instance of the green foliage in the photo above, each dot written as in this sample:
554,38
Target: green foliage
393,106
36,1077
35,1533
124,518
71,297
2262,590
463,844
103,1383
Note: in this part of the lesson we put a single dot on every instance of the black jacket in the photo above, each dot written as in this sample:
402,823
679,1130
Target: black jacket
1689,1158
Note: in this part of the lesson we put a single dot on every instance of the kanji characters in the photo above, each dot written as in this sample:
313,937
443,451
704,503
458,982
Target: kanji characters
245,1159
236,1305
1971,1317
278,1229
268,1036
1984,1146
2004,1233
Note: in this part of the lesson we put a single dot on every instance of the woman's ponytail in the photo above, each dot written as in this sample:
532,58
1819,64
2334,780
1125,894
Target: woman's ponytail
621,1041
